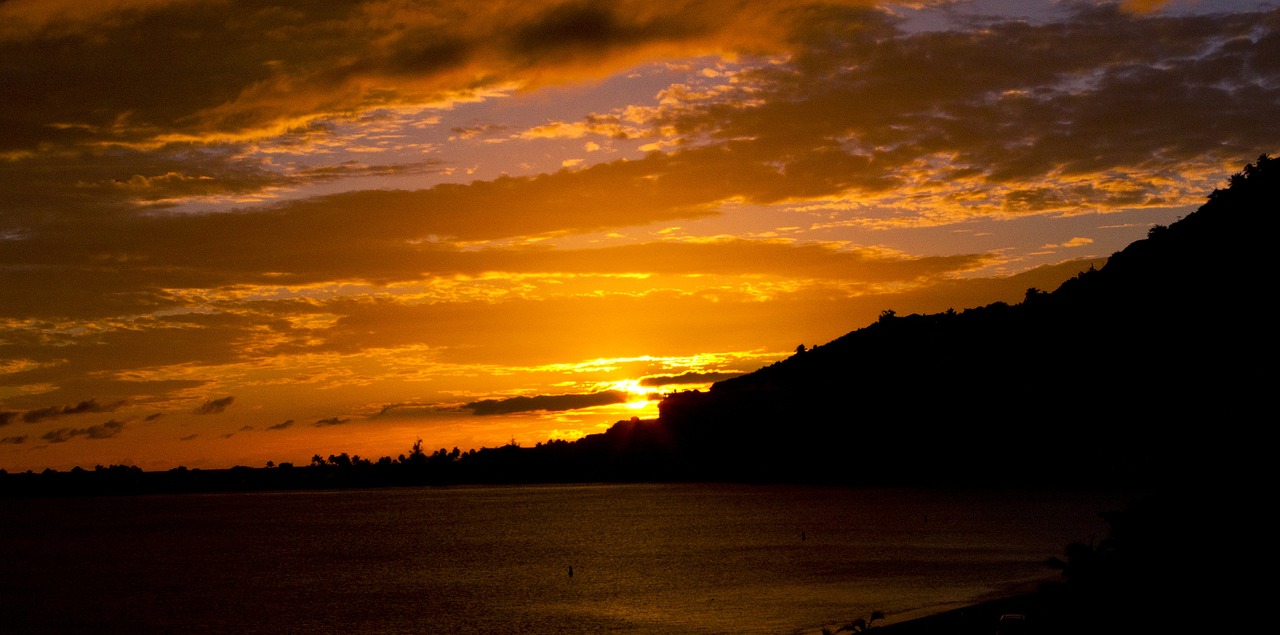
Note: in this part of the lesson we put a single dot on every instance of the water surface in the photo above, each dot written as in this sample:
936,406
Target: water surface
684,559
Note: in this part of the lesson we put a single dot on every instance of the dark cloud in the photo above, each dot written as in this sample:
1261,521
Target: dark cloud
348,169
214,406
688,378
575,29
414,409
331,421
7,418
103,431
53,412
34,416
1101,90
189,437
76,380
245,68
546,402
14,440
282,425
228,435
220,65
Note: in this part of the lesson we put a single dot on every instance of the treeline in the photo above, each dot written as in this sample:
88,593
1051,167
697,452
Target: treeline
618,455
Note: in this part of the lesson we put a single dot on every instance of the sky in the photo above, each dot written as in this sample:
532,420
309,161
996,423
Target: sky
235,231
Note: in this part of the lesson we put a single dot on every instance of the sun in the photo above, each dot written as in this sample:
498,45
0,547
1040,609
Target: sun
638,396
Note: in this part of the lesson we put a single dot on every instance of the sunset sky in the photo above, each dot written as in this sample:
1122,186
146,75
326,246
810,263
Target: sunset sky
236,231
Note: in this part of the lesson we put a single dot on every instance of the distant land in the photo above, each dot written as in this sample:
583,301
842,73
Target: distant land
1154,369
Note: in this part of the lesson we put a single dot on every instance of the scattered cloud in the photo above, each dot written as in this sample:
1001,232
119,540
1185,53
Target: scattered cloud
214,406
692,377
513,405
282,425
414,410
53,412
331,421
228,435
106,430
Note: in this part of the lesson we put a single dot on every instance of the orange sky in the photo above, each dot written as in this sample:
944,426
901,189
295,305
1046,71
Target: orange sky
234,232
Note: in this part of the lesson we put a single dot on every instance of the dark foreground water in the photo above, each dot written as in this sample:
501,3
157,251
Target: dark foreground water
679,559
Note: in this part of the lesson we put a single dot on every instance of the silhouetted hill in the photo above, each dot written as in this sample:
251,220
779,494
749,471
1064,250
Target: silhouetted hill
1151,368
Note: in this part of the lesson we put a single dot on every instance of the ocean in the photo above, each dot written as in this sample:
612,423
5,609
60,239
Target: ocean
681,559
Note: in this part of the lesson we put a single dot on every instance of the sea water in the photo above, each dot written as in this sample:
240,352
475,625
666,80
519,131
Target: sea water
670,558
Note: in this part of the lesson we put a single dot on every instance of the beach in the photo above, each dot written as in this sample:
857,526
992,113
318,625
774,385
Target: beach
982,618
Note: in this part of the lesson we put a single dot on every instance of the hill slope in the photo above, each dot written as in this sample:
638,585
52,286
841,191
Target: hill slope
1152,367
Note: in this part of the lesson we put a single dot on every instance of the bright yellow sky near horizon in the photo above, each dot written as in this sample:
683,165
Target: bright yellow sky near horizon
234,232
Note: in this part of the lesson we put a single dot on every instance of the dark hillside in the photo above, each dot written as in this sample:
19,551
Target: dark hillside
1149,368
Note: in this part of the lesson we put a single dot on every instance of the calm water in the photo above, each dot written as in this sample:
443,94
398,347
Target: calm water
680,559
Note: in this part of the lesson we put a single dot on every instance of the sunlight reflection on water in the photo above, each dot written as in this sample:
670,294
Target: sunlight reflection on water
645,558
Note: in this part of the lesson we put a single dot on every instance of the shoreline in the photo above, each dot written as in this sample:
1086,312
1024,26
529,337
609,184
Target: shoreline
977,619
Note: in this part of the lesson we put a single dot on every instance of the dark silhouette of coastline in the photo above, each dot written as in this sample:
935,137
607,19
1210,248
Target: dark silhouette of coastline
1143,372
1174,562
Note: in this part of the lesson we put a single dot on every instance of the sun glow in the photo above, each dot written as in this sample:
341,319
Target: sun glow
639,397
632,387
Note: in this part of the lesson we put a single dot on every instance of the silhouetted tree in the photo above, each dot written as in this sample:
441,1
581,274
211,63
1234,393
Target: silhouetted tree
416,455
